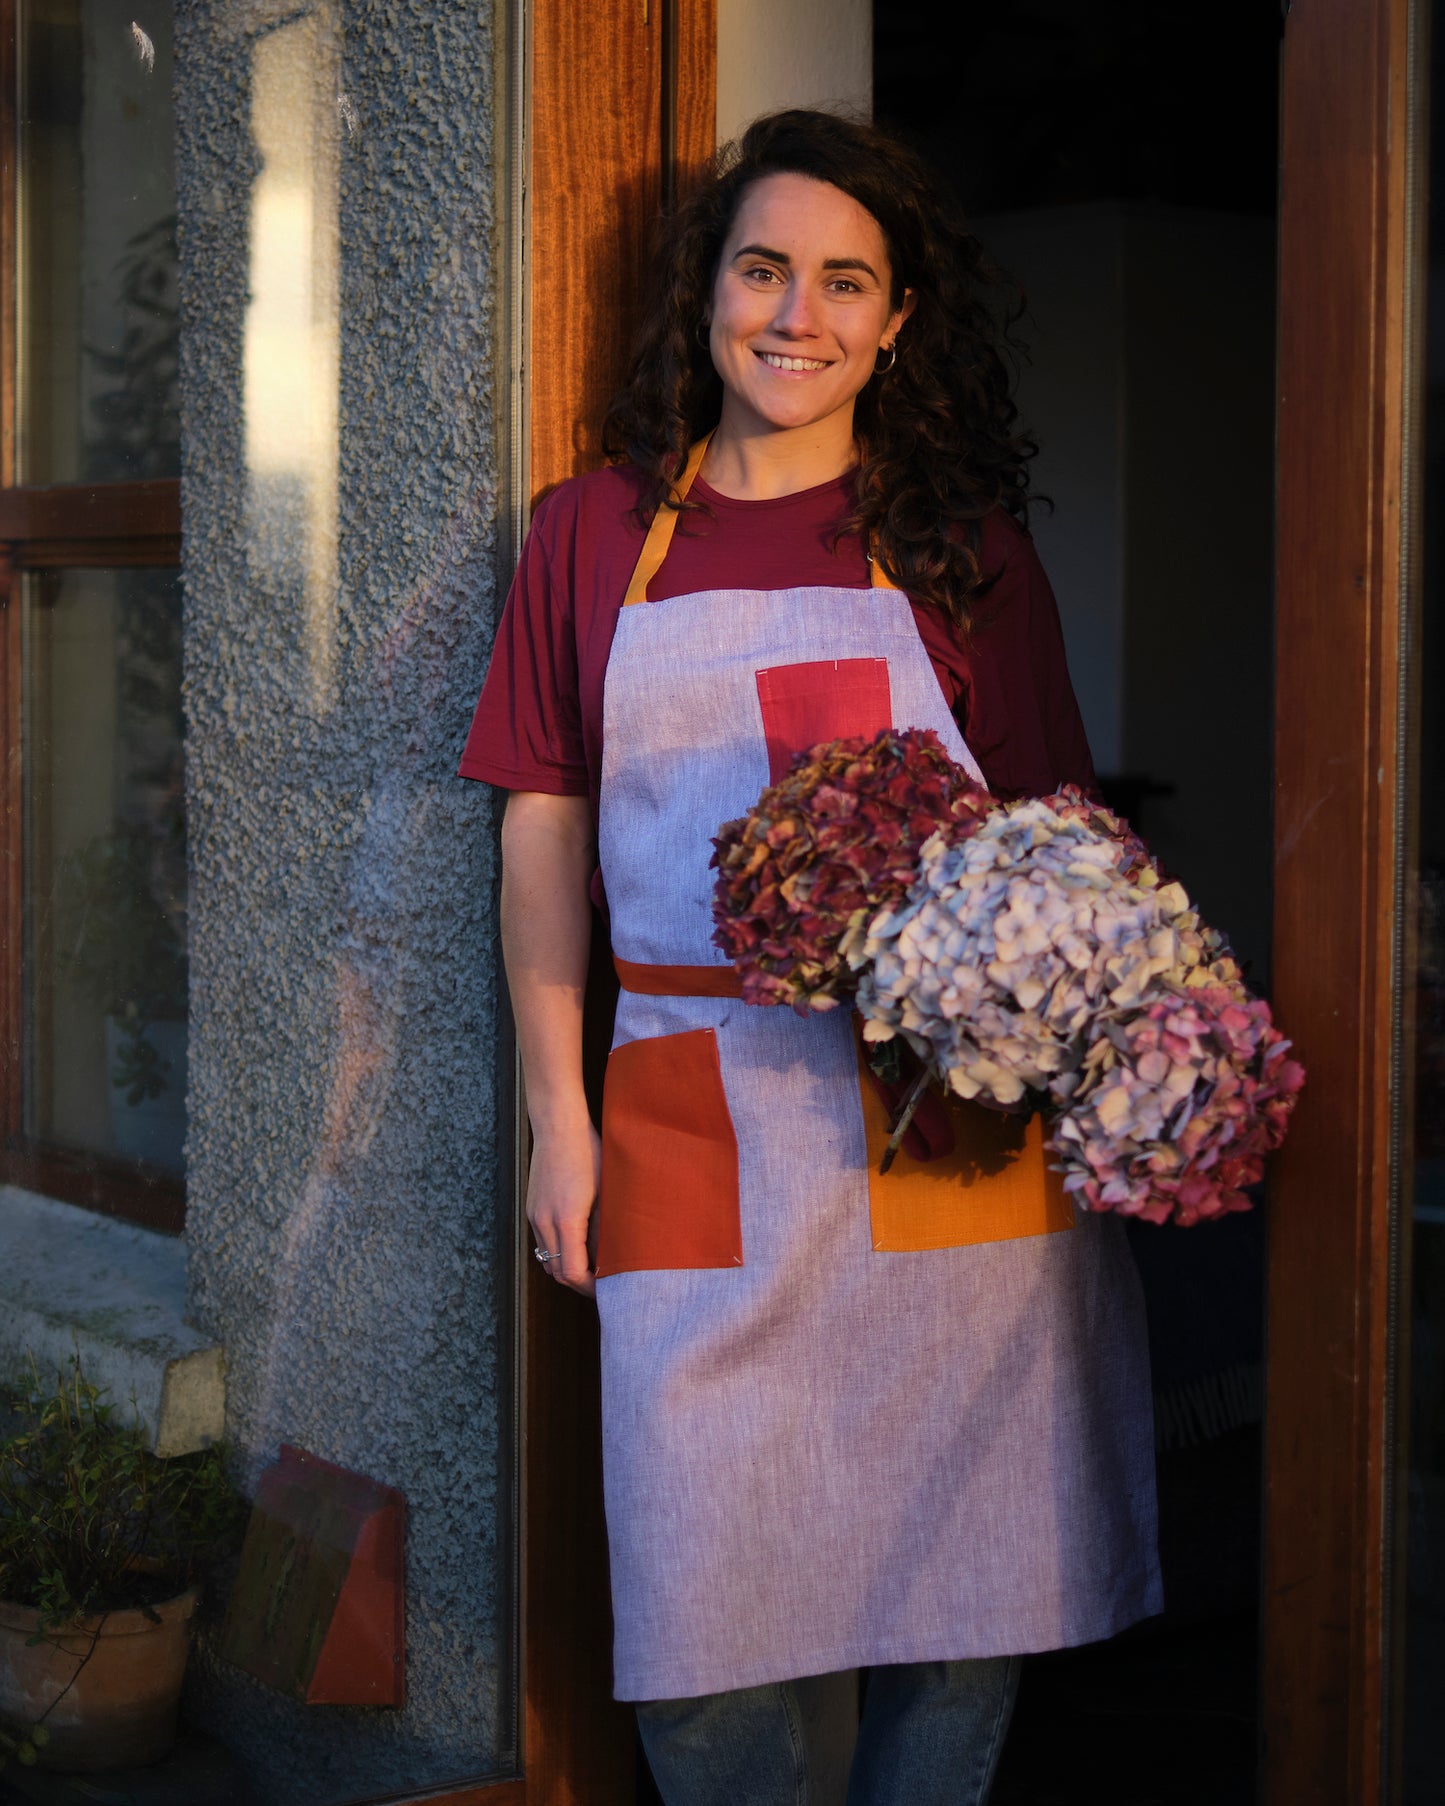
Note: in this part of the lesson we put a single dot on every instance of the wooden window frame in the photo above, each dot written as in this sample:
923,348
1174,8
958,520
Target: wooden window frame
85,525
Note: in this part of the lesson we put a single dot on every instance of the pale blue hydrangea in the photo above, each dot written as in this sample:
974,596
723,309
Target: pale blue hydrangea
1011,946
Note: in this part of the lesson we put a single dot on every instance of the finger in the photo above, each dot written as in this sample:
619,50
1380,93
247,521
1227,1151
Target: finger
576,1268
548,1250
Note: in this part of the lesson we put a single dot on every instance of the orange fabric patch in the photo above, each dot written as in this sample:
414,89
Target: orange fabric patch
677,981
669,1195
994,1187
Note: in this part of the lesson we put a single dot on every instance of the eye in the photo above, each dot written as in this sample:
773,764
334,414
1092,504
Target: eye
846,284
760,271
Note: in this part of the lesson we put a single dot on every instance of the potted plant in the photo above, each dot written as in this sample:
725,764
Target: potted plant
102,1548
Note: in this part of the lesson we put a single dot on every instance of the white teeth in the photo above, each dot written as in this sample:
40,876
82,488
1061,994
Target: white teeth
793,363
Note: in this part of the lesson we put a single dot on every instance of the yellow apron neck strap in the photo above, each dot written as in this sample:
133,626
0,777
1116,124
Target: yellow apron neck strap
878,576
664,525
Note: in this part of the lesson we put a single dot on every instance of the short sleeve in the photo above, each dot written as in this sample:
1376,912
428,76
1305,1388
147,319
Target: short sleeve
526,733
1015,703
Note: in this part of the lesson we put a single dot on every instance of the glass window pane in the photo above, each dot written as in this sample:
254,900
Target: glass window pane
105,864
96,216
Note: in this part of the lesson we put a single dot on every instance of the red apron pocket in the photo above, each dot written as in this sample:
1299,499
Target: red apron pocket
669,1194
993,1185
833,698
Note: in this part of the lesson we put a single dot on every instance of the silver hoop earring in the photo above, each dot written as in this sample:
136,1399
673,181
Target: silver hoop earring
883,369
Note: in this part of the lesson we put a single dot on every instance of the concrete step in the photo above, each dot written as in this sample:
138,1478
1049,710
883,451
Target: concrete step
72,1279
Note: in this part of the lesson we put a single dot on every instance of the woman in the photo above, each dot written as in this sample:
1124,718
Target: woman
902,1423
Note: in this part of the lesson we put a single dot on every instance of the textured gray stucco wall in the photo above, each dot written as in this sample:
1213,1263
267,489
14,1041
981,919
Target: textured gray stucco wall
347,1195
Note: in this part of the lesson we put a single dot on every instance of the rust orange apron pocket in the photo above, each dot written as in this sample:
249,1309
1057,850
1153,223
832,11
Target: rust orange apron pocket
669,1195
995,1185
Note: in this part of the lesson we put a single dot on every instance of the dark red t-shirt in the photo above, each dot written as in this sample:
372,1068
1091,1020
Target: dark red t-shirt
538,723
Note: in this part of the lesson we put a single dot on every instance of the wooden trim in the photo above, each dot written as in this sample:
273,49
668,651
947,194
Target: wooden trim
511,1792
9,251
696,87
595,190
140,1194
587,178
93,511
596,110
1342,395
12,877
12,887
96,554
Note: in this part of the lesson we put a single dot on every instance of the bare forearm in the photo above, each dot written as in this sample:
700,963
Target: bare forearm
548,853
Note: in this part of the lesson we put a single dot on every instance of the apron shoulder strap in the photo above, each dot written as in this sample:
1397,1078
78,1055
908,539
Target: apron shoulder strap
878,576
664,525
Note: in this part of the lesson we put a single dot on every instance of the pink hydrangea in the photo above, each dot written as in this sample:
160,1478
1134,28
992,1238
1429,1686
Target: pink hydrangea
1175,1106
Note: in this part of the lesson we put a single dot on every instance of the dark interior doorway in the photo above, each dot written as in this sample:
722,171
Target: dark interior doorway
1120,160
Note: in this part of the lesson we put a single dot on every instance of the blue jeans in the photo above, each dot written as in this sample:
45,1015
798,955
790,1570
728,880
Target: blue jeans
930,1735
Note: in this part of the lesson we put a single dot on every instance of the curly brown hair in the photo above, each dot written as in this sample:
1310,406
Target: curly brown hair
937,432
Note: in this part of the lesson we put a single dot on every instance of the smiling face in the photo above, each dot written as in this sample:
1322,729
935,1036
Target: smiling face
800,308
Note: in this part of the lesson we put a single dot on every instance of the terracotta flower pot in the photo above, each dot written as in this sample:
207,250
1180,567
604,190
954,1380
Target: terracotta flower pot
116,1709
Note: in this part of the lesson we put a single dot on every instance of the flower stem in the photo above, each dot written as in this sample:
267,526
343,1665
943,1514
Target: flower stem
905,1116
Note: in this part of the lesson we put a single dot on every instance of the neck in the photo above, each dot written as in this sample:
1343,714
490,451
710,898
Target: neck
757,464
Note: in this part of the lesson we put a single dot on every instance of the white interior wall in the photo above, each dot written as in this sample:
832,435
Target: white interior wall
792,53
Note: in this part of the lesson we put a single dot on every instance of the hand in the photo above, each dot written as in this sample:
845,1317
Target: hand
562,1184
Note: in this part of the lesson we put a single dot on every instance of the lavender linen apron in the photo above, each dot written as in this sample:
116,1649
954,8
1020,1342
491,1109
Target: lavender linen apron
819,1451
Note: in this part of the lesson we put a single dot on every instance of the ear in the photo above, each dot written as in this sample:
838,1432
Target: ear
910,301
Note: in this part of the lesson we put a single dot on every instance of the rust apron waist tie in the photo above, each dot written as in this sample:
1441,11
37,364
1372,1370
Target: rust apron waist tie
677,981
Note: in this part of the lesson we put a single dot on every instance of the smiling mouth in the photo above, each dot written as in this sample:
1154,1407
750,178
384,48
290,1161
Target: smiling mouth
775,361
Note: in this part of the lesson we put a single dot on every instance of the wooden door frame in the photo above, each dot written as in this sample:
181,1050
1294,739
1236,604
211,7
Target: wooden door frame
635,84
1350,257
619,105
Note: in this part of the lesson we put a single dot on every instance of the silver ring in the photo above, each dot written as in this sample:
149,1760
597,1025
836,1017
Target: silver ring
543,1255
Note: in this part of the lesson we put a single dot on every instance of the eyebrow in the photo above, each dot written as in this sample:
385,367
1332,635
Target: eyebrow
829,263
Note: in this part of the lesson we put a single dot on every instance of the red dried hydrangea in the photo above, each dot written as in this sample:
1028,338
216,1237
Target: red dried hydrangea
820,852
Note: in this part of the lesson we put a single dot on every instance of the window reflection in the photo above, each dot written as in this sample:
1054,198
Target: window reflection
291,343
105,864
98,320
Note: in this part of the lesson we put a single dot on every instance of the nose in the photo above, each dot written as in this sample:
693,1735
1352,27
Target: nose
796,316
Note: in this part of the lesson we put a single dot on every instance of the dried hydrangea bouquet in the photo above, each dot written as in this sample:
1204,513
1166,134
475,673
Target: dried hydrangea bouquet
1029,953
